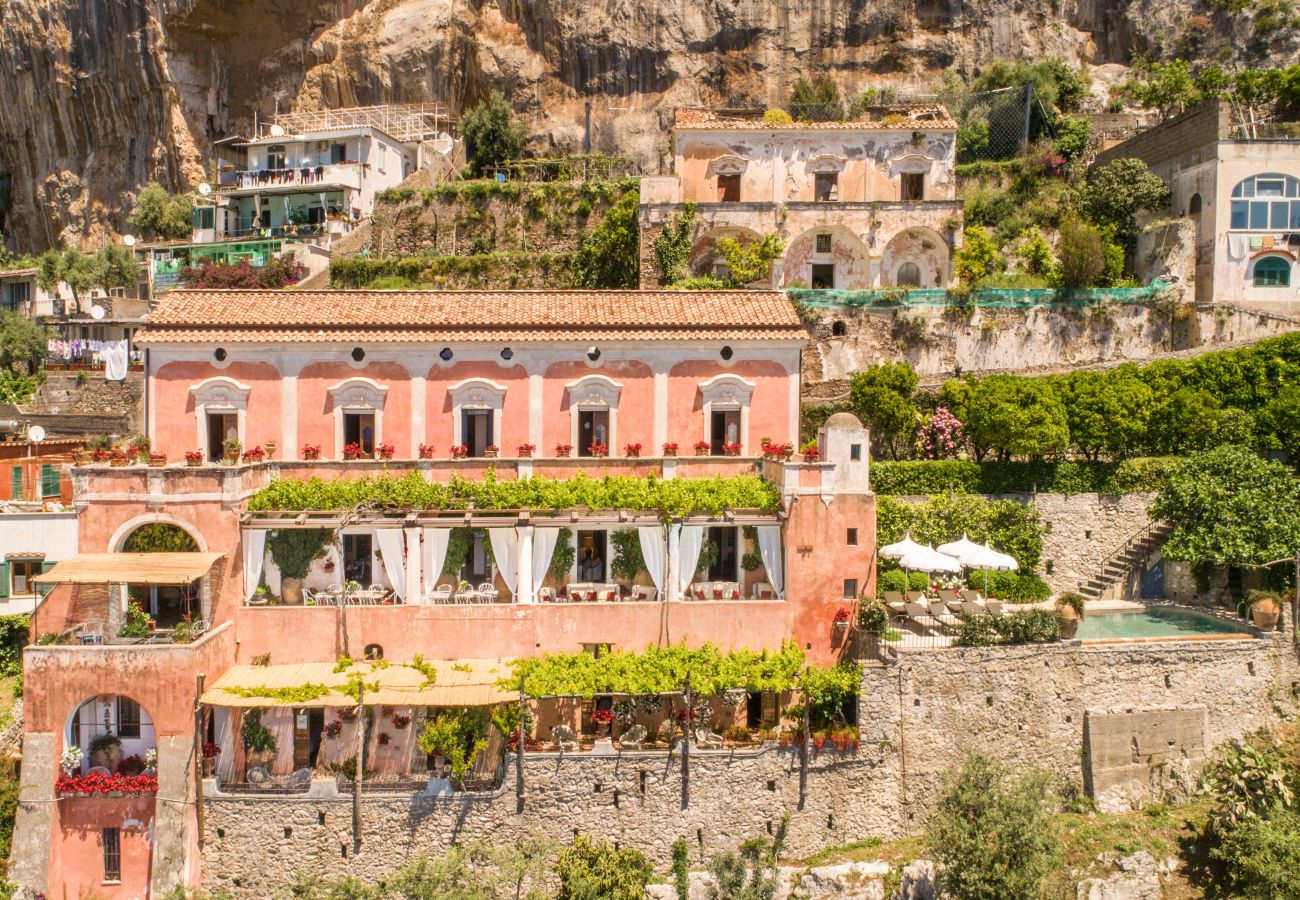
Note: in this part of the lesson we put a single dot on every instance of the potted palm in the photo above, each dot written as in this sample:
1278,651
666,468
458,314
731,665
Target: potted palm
1069,611
1265,610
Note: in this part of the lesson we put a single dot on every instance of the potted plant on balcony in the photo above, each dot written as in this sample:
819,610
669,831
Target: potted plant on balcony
193,458
670,449
157,460
106,751
730,449
632,451
385,451
231,449
602,719
1069,611
810,452
426,451
294,551
563,449
598,450
70,759
526,451
117,457
311,452
254,455
259,743
210,753
352,451
702,448
459,451
1265,610
491,450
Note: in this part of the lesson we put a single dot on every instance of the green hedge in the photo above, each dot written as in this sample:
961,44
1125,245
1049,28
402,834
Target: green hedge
893,580
501,269
1028,626
963,476
1013,587
1011,527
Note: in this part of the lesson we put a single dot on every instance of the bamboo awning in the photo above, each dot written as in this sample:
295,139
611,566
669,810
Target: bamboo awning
459,682
129,568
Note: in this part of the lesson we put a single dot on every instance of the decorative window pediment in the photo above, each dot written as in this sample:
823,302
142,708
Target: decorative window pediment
729,164
727,392
911,164
826,164
594,392
220,392
477,393
358,393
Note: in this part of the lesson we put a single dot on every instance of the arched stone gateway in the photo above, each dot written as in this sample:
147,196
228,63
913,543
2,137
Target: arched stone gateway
916,257
167,605
827,256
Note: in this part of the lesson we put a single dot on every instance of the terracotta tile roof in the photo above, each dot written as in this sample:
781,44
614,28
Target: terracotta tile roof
928,116
188,316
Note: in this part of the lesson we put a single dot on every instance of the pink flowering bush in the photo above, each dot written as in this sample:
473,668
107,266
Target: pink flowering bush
942,437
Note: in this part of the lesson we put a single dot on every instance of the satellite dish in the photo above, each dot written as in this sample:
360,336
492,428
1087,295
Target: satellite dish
205,189
128,239
97,312
277,131
443,143
36,434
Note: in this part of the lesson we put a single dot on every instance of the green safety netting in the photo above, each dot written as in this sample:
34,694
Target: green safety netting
886,298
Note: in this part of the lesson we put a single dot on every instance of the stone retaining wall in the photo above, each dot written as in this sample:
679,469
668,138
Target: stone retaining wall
1026,705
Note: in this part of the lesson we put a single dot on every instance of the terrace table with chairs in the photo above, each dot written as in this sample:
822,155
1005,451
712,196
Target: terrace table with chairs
714,590
350,594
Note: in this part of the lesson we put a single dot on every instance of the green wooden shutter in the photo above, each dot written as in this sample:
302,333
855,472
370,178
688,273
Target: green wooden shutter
16,483
49,480
4,579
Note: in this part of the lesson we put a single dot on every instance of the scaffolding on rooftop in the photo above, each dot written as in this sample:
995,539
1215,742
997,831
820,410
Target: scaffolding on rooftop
406,122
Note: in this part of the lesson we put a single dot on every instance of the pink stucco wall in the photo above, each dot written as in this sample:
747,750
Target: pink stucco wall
769,409
439,419
635,404
77,848
175,428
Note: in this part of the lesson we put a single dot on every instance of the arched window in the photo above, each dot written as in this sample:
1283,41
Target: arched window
909,275
1272,271
1194,207
1268,202
838,328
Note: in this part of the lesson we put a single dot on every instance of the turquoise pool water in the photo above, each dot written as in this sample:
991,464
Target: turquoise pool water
1153,622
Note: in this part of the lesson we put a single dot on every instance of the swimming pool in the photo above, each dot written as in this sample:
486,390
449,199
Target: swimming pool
1153,622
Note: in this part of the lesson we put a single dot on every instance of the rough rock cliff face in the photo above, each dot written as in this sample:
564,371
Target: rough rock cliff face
98,96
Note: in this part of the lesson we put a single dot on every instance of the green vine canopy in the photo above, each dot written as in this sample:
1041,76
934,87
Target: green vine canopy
673,498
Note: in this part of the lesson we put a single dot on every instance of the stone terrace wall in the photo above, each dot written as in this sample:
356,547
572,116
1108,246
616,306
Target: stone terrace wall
1026,705
252,845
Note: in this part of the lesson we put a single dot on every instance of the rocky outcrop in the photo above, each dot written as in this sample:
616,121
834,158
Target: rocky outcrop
99,96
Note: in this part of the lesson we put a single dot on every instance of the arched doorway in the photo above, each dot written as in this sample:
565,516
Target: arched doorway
704,258
114,733
167,605
827,256
915,257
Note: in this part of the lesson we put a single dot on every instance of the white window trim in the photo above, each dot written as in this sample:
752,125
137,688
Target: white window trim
826,164
357,395
593,392
911,164
728,392
219,394
476,393
728,164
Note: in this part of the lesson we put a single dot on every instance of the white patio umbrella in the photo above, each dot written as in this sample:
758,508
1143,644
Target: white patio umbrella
928,559
965,550
900,549
987,558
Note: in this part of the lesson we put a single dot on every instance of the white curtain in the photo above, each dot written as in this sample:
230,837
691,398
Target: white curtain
652,551
116,360
254,559
769,547
434,556
505,549
223,726
544,541
688,553
392,544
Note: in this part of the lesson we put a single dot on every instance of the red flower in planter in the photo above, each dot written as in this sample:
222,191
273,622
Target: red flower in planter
598,449
563,449
311,451
426,451
841,615
210,750
459,451
100,784
602,716
526,450
632,450
386,451
670,449
352,451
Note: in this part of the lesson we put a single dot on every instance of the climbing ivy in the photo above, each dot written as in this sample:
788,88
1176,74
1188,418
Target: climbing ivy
674,498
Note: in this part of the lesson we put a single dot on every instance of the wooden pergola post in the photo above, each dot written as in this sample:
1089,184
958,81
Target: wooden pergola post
198,757
361,766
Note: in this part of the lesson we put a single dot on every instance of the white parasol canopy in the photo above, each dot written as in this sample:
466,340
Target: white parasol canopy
965,550
900,549
988,558
928,559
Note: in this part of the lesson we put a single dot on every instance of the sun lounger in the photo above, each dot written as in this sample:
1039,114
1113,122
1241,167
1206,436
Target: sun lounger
969,609
939,610
917,597
921,616
950,599
969,596
993,606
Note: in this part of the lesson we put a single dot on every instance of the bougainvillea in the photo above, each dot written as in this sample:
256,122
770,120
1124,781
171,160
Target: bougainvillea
941,437
101,783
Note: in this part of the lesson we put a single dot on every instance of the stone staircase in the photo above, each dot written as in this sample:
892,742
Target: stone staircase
1119,565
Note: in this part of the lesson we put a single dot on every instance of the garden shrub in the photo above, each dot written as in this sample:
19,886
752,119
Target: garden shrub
1260,858
594,870
921,477
1010,527
991,832
1026,626
1014,587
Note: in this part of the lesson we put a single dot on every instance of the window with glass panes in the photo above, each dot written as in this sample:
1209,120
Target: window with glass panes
49,480
1272,271
1266,203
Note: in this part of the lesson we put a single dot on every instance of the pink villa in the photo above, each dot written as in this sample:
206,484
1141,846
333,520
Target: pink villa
209,638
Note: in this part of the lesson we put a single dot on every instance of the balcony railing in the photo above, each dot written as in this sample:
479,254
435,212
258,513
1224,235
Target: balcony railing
347,174
1266,131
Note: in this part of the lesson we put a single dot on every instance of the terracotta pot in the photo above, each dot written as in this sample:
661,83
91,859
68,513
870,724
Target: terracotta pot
157,460
291,591
270,449
110,757
193,463
118,461
1266,613
1067,619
